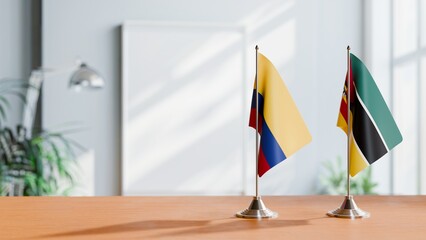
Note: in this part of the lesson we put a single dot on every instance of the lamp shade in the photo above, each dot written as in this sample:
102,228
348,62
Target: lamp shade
86,77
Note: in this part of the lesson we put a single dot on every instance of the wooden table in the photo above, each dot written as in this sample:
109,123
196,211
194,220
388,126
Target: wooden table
392,217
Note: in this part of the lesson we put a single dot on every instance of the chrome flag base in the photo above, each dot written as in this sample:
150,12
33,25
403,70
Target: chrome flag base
348,209
257,209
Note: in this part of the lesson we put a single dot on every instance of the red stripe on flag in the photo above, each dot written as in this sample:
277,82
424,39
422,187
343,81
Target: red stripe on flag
344,109
252,120
263,165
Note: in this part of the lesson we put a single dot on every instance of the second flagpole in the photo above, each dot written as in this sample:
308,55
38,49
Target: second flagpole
348,101
349,209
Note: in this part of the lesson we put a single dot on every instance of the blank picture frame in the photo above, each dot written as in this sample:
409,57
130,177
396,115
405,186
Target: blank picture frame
184,105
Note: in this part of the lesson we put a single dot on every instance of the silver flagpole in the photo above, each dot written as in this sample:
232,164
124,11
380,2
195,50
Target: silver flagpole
257,127
348,101
257,208
348,209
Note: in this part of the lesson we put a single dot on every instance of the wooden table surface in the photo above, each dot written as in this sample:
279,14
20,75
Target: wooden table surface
392,217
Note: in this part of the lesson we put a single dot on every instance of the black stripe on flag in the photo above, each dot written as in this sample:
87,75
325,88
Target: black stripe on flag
366,135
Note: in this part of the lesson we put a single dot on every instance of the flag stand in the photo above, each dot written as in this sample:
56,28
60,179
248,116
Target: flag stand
257,208
348,209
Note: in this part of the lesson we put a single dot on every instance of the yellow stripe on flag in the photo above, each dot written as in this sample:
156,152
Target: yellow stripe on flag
358,161
341,122
280,111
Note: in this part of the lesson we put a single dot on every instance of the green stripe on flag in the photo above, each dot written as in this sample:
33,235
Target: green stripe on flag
374,102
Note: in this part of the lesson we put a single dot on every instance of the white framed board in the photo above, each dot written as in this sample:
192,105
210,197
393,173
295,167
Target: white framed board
184,105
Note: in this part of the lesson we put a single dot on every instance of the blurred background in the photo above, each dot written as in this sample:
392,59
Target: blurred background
172,116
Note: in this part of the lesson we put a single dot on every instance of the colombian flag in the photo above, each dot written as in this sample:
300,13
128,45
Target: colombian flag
281,126
373,131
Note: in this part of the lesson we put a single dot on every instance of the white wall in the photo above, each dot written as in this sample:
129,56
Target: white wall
15,48
305,39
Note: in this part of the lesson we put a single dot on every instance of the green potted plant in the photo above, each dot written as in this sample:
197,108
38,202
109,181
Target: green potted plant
32,166
334,180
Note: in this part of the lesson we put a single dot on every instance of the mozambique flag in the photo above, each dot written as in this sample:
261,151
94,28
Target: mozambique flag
373,132
281,127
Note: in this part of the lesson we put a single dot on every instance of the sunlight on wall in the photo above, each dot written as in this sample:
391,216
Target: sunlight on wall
197,57
266,13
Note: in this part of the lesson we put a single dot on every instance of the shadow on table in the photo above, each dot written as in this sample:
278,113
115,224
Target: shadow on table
193,227
237,225
130,227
